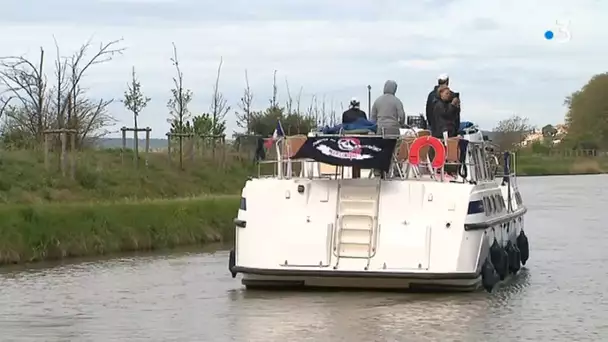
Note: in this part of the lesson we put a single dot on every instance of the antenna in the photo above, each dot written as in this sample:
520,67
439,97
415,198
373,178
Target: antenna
369,99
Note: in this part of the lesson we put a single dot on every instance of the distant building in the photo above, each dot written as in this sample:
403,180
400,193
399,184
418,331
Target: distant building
532,137
561,129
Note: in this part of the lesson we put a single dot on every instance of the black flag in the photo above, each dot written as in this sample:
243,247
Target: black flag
364,152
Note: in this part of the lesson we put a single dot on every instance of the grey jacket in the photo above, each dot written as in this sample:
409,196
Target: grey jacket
387,111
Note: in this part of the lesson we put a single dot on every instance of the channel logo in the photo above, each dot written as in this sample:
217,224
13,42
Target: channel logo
560,32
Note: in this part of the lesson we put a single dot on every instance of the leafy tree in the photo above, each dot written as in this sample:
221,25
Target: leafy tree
587,116
135,102
200,125
264,123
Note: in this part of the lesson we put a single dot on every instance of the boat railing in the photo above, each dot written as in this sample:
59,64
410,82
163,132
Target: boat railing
476,164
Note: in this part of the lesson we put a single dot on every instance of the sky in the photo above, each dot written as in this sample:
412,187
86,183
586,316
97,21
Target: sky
495,51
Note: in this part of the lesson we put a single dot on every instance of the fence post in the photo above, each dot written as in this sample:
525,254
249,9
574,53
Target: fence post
148,129
73,155
124,144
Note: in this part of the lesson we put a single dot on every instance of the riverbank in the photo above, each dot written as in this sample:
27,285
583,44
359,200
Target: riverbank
51,231
539,165
102,175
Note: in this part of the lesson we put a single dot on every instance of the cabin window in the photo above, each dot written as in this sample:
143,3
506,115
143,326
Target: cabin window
484,164
486,206
518,198
475,163
481,164
495,204
499,204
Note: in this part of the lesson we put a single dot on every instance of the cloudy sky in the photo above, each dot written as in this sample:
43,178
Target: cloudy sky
494,51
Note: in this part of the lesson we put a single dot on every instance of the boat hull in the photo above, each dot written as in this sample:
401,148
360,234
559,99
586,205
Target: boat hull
273,279
371,234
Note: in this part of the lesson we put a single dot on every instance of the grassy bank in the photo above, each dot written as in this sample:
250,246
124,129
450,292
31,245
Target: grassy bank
102,176
47,231
539,165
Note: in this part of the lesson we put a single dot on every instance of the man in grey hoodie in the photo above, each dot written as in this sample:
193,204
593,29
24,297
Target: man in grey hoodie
387,111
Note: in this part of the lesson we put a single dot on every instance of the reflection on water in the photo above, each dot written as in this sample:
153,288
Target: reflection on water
559,296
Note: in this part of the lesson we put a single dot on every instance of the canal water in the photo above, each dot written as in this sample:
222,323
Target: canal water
561,295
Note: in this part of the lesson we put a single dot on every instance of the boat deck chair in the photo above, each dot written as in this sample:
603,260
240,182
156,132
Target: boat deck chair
400,158
452,156
290,146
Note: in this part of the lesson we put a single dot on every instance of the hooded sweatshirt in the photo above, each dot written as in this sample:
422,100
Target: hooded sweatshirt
387,110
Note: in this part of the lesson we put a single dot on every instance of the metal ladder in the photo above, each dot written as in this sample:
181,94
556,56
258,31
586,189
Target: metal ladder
356,219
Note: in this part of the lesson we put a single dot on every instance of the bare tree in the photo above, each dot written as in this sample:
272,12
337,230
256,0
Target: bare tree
135,102
511,132
274,101
289,101
27,82
219,104
243,120
4,104
312,112
78,64
324,117
178,103
299,100
333,117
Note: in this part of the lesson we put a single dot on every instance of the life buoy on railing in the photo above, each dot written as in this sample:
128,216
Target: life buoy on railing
414,154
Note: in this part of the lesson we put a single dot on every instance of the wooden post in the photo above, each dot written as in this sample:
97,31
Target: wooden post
46,151
169,148
148,129
73,155
136,148
62,156
191,147
223,140
124,144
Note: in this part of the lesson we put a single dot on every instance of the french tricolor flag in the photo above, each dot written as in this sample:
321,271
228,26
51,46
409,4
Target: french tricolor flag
276,135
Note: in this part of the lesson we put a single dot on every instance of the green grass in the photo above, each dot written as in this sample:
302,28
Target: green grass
539,165
48,231
101,176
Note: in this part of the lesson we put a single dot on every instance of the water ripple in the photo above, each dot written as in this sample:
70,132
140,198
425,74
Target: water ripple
558,296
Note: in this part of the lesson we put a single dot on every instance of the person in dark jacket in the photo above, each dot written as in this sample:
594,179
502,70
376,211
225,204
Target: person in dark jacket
443,79
445,114
446,118
353,113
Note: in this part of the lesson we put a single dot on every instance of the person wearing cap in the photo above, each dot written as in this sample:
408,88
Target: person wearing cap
445,113
387,111
442,80
351,116
353,113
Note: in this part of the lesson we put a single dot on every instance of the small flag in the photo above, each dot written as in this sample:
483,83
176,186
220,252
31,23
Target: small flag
276,135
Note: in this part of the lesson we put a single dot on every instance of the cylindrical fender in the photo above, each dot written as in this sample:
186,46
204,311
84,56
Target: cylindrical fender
414,155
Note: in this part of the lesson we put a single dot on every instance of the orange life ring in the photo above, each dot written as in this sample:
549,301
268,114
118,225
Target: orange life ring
414,154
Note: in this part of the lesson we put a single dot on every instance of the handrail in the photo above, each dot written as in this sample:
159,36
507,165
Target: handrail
480,168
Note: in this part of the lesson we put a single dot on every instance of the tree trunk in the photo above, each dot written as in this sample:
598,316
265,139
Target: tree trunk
136,142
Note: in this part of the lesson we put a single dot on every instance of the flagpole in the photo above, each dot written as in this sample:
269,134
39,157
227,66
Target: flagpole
279,151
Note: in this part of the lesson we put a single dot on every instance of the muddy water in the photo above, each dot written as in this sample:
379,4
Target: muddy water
561,296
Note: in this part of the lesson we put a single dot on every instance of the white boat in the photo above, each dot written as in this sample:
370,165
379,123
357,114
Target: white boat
312,224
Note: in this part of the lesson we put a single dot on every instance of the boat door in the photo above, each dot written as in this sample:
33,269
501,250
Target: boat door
307,235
